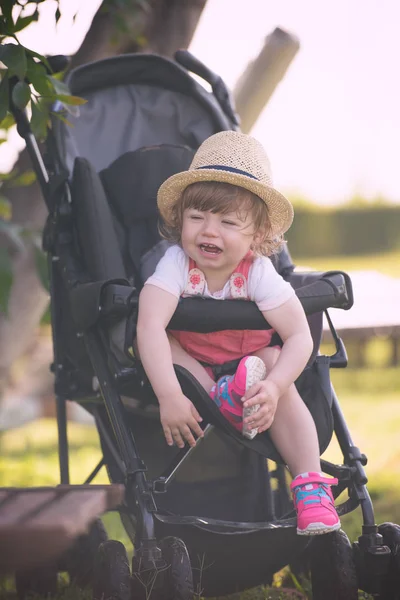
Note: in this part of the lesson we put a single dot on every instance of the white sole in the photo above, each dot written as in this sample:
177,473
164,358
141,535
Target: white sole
256,371
318,529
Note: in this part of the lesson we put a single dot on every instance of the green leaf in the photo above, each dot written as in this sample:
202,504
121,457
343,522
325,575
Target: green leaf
14,57
59,86
72,100
62,118
23,22
5,279
40,57
6,7
4,98
5,208
37,76
7,122
3,26
8,176
26,178
39,121
58,15
21,94
42,267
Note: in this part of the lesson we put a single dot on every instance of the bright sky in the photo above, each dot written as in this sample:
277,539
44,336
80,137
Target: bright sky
332,128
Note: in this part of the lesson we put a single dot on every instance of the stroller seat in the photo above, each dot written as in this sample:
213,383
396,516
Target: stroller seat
225,480
119,205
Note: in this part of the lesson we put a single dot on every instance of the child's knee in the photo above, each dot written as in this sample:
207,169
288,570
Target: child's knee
269,356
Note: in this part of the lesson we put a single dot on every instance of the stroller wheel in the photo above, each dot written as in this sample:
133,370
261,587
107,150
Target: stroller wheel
80,560
333,572
180,576
41,581
111,575
391,538
171,579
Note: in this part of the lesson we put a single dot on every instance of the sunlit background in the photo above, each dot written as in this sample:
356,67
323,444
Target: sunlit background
332,126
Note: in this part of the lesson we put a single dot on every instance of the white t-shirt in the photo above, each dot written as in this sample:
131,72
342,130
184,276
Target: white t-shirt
265,286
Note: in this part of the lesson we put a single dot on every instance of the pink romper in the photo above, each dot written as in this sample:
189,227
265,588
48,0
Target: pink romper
219,347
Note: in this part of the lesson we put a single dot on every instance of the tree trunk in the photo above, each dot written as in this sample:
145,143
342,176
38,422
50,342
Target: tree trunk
159,26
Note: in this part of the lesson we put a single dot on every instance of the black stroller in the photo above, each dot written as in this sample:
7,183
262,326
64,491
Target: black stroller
217,518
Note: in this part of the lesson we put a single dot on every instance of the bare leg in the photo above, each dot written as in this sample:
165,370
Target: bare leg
182,358
293,430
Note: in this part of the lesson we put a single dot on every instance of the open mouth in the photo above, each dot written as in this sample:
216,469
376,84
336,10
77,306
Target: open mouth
210,249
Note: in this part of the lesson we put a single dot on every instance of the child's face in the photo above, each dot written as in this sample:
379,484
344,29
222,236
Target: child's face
217,241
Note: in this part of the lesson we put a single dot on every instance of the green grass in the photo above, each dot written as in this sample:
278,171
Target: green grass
385,262
369,400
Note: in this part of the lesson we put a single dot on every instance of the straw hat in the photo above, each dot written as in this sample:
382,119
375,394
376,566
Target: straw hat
235,158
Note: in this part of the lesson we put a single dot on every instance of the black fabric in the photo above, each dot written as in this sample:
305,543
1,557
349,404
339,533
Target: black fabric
132,181
148,69
88,302
131,184
94,222
283,263
313,386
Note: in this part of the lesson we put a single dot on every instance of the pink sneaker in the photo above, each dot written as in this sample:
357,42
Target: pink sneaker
313,500
229,390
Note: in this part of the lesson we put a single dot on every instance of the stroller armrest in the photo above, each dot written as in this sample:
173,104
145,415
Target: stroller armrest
339,280
110,300
328,290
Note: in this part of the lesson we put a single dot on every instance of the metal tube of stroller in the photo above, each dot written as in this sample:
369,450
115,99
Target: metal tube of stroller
57,368
62,439
24,130
37,160
138,493
182,456
353,458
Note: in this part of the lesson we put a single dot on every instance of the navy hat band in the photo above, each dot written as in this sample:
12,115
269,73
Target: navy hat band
230,169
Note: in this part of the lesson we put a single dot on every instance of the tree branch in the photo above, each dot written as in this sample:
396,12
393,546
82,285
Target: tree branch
261,76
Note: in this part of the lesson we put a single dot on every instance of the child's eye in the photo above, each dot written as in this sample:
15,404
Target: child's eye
227,222
196,217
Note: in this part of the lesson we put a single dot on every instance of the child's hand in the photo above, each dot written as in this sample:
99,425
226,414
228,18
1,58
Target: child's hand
265,393
179,419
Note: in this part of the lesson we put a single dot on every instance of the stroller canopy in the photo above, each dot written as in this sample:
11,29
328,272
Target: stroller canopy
134,101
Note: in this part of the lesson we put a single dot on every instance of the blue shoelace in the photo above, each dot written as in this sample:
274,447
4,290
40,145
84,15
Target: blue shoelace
312,496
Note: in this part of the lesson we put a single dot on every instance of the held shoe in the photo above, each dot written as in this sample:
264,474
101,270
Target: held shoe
313,500
229,390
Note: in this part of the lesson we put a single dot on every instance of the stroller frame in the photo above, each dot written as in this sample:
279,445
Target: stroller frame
371,554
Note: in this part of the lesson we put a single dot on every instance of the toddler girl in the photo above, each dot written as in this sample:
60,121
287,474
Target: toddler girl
224,217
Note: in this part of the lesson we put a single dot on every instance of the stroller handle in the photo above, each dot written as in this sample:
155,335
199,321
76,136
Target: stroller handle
219,88
194,65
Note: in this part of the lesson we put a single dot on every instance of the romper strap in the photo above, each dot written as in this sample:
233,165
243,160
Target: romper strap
238,280
196,281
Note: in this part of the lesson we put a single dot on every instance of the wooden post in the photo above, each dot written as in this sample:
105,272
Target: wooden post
261,76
